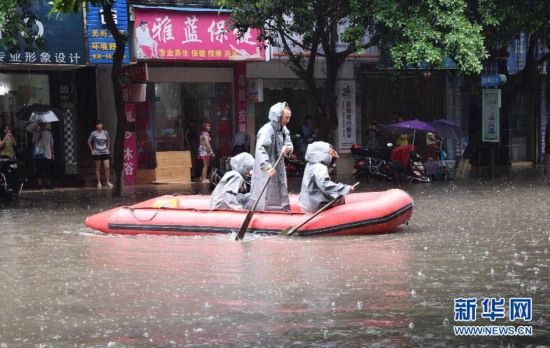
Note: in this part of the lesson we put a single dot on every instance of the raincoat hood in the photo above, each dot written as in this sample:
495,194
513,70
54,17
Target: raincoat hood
276,112
318,152
242,163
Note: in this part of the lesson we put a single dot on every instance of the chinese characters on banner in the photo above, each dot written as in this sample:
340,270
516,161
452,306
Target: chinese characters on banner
192,35
346,116
240,92
63,46
490,111
101,44
130,157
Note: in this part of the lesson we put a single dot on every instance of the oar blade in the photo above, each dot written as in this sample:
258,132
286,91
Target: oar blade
291,232
244,226
286,231
246,222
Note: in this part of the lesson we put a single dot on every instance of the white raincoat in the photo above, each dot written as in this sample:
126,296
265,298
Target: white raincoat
317,188
269,142
227,194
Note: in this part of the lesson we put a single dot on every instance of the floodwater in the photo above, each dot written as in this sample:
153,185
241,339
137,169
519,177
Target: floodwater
64,285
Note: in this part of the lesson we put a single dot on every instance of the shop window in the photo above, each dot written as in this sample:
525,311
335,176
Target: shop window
175,105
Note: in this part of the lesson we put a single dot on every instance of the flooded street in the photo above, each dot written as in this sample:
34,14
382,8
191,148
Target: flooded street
65,285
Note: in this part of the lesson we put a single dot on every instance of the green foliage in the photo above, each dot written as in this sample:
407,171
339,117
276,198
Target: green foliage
412,32
503,20
16,23
429,31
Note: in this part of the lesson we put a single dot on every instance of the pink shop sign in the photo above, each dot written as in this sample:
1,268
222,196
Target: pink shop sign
192,35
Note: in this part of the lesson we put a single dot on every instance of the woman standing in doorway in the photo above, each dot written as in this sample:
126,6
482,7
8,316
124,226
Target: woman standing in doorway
7,142
205,149
99,144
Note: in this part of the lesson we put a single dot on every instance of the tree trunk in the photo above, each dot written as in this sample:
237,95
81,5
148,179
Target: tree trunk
118,56
331,97
547,133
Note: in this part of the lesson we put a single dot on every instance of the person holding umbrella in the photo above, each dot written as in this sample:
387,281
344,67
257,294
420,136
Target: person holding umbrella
43,155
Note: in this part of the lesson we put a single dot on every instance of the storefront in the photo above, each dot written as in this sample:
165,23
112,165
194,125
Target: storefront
45,77
196,72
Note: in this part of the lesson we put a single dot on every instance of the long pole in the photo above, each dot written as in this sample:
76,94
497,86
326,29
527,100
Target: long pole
246,221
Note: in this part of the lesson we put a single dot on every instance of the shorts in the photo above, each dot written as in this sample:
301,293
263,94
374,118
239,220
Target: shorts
208,158
102,157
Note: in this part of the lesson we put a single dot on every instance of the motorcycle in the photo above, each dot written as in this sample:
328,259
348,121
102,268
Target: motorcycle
408,157
10,183
394,164
370,163
293,164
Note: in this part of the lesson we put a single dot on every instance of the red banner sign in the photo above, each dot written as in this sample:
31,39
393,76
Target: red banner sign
192,35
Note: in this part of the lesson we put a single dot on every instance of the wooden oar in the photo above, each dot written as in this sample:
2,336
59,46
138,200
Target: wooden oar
289,231
246,222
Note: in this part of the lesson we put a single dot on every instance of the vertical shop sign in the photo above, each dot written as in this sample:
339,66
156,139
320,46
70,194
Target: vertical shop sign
130,158
240,92
134,93
490,115
346,116
101,44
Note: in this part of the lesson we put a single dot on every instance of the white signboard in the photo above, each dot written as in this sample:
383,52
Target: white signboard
255,90
346,116
370,54
490,115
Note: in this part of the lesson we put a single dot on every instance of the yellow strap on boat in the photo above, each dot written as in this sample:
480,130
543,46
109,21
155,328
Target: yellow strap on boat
172,203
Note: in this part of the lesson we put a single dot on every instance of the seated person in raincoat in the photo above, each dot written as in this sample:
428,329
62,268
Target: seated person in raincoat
228,193
317,188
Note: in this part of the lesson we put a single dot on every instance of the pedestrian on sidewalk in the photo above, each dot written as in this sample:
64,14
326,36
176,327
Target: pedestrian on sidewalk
99,145
44,155
205,149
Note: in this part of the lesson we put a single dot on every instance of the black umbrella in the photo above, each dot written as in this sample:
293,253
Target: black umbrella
39,113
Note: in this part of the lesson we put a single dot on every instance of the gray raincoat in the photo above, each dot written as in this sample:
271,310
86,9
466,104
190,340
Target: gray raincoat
269,143
317,188
227,193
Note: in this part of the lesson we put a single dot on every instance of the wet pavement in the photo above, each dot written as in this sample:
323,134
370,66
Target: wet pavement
66,285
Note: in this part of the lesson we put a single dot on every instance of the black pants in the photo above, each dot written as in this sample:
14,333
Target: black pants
44,169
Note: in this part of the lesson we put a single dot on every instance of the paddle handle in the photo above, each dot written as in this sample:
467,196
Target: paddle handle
246,222
325,207
267,182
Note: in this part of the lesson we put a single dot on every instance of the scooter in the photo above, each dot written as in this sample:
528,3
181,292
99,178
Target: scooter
407,156
293,165
369,163
10,183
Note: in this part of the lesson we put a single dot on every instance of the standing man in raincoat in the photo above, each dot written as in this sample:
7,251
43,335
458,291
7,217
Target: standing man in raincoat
317,188
272,139
228,193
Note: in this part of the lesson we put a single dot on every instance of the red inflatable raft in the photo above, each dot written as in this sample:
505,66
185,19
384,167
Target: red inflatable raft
363,213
